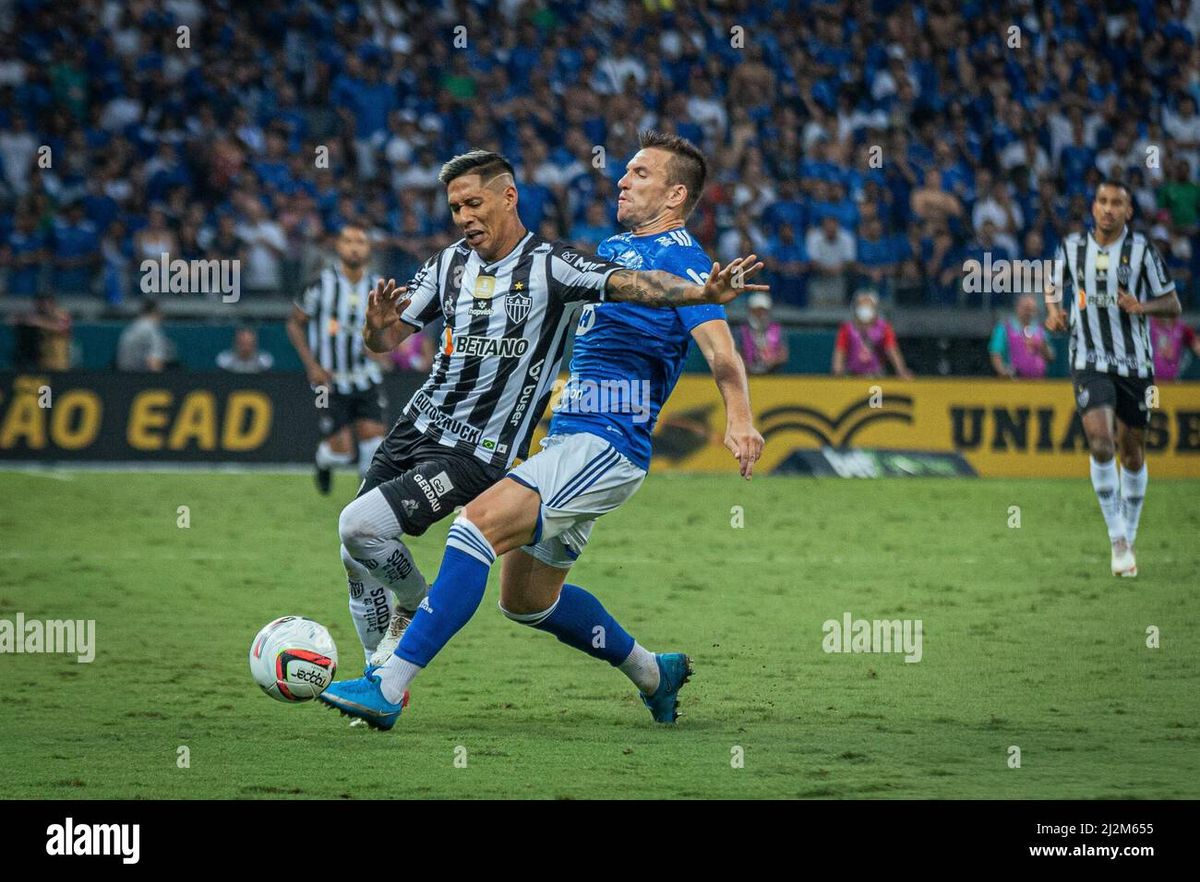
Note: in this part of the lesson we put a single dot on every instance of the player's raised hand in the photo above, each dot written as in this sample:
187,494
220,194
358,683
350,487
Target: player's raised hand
746,445
1056,319
385,303
726,284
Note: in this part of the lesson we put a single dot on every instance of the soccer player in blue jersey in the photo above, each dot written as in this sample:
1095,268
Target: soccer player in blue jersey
626,361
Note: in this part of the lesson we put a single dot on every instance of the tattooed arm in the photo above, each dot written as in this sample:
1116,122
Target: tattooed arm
658,288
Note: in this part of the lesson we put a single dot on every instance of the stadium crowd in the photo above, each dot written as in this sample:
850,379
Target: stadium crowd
854,144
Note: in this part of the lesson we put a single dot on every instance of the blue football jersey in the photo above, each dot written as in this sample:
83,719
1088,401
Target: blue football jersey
627,356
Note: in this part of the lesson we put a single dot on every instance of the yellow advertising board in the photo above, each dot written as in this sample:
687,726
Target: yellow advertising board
1001,427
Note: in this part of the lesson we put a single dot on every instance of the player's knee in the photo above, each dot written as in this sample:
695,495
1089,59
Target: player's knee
484,517
1101,448
339,442
476,511
355,530
1132,459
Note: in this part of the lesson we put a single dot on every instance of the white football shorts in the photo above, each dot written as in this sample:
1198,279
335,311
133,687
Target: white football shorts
579,477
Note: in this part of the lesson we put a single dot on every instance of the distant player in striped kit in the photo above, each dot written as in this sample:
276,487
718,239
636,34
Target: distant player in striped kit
1113,280
325,328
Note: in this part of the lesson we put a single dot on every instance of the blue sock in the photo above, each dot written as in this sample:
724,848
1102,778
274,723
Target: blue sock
578,619
453,597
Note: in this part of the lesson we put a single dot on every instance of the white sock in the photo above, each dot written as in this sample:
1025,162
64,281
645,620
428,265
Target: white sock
370,604
641,667
366,451
394,676
327,459
1108,490
371,535
1133,491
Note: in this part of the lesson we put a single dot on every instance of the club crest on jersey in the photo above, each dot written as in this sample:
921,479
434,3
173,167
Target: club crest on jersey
517,305
1123,273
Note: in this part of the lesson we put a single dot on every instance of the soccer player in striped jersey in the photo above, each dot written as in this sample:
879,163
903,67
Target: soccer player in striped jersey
1113,279
324,327
626,361
509,299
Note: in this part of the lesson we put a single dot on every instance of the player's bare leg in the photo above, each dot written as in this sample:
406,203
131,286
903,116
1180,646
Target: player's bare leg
506,514
333,451
370,435
1098,426
528,586
1131,448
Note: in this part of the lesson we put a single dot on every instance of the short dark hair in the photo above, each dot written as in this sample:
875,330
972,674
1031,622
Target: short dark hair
484,163
687,165
1115,182
354,223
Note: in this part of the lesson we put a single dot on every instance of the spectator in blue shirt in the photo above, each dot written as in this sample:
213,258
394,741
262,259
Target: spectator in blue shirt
24,254
594,230
878,257
786,262
76,252
1077,157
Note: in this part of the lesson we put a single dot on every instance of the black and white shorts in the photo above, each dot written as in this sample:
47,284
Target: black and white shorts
345,409
1125,395
424,481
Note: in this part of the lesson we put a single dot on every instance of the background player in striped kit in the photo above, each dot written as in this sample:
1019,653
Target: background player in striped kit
1111,359
325,328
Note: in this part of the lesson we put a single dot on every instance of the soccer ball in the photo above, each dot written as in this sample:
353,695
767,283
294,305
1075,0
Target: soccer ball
293,659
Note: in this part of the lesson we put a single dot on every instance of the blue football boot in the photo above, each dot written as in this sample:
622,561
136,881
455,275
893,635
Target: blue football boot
674,669
363,699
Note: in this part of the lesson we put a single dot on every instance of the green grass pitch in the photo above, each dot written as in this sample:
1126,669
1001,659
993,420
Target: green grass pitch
1028,642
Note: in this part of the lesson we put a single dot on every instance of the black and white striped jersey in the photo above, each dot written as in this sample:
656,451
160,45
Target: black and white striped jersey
506,326
1103,336
336,309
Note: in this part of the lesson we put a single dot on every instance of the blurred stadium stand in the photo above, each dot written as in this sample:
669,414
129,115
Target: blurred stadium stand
993,124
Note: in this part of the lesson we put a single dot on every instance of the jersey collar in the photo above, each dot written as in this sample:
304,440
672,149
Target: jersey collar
1115,243
491,269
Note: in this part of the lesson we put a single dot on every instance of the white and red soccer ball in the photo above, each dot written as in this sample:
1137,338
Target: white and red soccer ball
293,659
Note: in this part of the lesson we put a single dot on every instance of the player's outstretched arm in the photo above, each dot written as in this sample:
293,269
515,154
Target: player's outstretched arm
296,322
729,372
383,330
658,288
